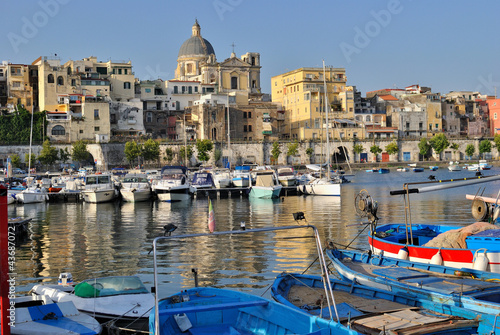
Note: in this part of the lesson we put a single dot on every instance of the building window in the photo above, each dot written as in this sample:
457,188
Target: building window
125,71
190,90
245,128
494,116
430,126
176,89
16,84
50,78
244,115
249,115
189,68
126,85
249,127
119,71
58,130
1,72
81,131
96,128
234,83
96,114
437,126
149,117
196,89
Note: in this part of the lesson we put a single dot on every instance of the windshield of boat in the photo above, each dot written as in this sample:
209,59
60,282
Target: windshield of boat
135,179
109,286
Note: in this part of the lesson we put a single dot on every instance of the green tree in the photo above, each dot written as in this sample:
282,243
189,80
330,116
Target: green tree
375,149
29,162
358,149
16,160
424,147
185,153
49,154
392,148
439,143
151,151
454,146
484,146
80,152
293,148
275,151
132,151
470,149
309,153
496,139
217,155
204,147
169,155
64,155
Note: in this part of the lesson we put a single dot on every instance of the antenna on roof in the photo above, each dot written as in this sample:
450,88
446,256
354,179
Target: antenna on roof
233,45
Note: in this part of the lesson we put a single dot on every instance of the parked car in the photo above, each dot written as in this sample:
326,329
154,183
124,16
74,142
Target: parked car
18,171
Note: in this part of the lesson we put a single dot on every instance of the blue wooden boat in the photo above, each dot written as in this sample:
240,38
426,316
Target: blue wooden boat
373,311
221,311
372,170
433,168
418,169
461,290
383,171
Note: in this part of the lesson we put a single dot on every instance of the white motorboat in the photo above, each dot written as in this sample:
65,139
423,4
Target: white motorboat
483,165
286,176
107,298
454,166
322,186
173,185
99,188
32,195
266,185
241,176
37,314
222,178
135,188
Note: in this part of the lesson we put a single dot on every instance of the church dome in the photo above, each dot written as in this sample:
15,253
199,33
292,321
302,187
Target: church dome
196,45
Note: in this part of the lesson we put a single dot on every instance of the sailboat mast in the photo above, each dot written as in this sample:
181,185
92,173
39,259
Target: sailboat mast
327,123
31,141
228,134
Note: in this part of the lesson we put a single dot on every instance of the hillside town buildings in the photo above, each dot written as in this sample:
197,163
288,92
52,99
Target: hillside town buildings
222,100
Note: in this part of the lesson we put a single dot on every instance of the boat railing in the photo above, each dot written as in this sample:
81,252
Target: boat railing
321,257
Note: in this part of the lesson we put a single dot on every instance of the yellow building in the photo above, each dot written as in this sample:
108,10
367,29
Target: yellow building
19,90
301,95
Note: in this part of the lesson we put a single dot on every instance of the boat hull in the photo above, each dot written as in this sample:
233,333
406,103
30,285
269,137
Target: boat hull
131,195
173,194
452,257
264,192
241,181
98,196
27,197
327,189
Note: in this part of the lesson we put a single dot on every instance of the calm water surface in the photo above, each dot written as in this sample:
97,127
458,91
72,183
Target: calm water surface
92,240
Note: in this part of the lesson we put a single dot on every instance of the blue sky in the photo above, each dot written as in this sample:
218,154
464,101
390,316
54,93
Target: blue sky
446,45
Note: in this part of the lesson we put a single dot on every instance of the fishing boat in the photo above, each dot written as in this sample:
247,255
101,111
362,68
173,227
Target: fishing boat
460,288
241,176
224,311
433,168
266,185
382,170
374,311
418,169
135,188
32,194
475,246
286,176
173,185
402,169
106,298
99,188
38,315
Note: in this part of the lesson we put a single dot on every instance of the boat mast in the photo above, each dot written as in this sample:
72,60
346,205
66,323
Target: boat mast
327,122
31,141
228,134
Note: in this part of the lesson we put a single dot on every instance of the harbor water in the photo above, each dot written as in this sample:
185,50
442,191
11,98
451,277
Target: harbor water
95,240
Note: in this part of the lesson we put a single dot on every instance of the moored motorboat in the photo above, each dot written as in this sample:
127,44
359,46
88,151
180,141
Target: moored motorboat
454,166
241,176
266,185
135,188
222,178
99,188
202,180
173,184
107,298
286,176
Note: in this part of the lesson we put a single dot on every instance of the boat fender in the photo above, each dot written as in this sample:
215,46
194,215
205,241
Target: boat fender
403,253
481,261
437,259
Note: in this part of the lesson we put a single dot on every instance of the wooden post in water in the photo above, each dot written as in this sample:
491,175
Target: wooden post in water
4,265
